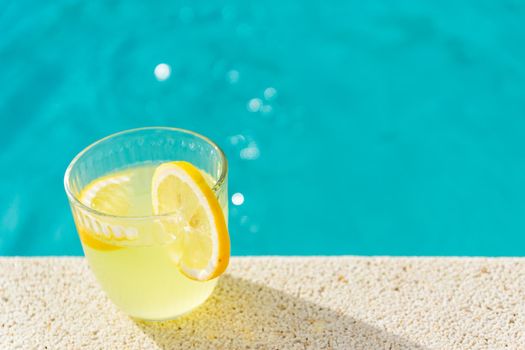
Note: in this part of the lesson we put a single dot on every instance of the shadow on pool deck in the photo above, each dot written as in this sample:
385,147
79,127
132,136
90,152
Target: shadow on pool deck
242,314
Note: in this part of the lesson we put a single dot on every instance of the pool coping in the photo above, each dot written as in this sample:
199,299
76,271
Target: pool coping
318,302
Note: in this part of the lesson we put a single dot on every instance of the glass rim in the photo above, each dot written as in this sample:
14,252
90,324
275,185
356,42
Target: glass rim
76,201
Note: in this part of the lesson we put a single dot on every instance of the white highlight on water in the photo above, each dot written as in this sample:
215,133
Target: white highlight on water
162,71
238,198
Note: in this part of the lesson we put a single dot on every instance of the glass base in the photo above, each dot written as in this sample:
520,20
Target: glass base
180,312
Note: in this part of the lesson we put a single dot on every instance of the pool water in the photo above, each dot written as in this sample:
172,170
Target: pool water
351,127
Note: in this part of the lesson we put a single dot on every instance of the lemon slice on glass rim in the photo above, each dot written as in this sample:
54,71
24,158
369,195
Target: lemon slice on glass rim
202,240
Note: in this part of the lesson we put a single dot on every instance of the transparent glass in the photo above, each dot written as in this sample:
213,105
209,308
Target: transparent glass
140,275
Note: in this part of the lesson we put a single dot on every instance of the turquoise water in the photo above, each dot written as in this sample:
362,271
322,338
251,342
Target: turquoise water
352,127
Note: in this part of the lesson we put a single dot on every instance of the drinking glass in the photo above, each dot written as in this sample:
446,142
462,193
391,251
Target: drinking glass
133,257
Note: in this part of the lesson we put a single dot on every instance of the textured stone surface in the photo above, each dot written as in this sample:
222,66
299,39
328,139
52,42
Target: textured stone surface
280,303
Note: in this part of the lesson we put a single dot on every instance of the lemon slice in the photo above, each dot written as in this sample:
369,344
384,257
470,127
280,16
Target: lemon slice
109,195
196,218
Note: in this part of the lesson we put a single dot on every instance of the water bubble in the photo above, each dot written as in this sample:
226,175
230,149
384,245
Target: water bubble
236,139
254,228
162,71
251,152
232,76
270,93
266,109
244,220
238,198
254,104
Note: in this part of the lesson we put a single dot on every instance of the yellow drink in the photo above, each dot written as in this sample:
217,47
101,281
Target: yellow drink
132,253
150,285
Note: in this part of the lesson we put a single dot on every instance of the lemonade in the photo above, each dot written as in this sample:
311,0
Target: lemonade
136,247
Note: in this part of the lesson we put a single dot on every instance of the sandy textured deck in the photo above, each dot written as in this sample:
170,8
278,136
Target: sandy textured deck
280,303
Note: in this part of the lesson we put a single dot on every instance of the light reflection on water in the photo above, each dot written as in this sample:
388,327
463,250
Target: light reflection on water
162,71
233,76
237,198
254,105
270,93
